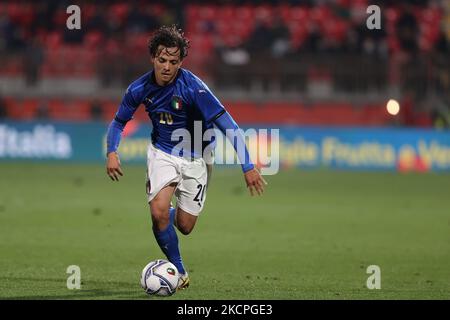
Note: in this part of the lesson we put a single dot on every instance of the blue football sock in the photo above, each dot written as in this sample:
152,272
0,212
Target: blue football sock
168,242
172,215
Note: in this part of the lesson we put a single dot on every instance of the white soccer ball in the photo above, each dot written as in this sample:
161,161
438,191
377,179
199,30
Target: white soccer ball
160,277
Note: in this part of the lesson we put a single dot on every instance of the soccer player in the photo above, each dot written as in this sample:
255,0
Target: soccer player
175,99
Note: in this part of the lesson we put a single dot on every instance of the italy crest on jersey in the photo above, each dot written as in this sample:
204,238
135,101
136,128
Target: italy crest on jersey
177,103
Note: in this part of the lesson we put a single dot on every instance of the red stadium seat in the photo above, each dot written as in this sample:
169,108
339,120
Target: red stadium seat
245,13
118,11
208,12
321,14
53,40
284,12
13,10
156,9
299,14
335,29
26,15
392,14
88,12
13,108
109,109
56,109
227,13
299,33
60,18
375,115
79,110
264,13
192,13
93,40
27,109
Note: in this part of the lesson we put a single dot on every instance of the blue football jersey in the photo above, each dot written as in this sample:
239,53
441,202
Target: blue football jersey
176,106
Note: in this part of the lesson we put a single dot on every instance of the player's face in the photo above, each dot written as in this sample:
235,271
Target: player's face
166,64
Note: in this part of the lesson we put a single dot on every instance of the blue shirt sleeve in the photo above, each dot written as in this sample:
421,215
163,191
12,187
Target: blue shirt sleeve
231,130
127,107
115,130
205,101
125,113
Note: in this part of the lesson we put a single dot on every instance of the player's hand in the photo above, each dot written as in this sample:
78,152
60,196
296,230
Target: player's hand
113,169
255,182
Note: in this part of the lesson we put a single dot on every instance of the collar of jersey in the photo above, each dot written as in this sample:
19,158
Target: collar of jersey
153,79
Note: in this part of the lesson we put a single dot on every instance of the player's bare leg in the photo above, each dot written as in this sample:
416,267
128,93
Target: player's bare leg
184,221
159,207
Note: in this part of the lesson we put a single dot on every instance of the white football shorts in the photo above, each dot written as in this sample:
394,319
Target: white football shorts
191,177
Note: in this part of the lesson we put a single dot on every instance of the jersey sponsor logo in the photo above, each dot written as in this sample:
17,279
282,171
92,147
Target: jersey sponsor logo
177,103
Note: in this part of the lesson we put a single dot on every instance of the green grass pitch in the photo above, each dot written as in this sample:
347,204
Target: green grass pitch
311,236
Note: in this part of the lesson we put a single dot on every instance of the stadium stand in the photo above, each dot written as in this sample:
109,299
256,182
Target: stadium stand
314,49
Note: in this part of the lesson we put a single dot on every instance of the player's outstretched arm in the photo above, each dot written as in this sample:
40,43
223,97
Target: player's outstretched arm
127,108
113,169
229,127
255,182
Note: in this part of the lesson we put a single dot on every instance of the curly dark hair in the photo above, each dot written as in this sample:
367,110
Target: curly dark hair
169,36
